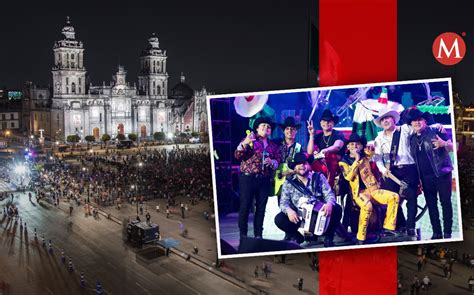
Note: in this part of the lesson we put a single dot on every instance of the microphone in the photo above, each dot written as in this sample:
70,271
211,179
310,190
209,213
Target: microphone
251,143
264,154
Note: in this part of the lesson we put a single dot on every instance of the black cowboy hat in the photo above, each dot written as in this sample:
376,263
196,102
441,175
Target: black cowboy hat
357,138
261,120
300,158
289,122
414,113
329,116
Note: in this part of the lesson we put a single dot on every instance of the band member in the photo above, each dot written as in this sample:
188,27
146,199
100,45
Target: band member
356,169
393,156
330,142
259,158
288,149
292,197
431,148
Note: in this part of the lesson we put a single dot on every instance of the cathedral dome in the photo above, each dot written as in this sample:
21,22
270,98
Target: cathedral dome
181,90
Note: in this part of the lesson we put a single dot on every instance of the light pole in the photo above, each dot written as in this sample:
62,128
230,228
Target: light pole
133,187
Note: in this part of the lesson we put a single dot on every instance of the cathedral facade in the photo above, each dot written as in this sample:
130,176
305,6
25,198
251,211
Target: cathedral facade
80,108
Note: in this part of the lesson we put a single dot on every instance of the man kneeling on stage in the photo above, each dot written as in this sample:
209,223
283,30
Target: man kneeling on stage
302,188
365,190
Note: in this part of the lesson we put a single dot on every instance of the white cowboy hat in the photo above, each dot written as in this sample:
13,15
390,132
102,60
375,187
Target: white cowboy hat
248,106
387,112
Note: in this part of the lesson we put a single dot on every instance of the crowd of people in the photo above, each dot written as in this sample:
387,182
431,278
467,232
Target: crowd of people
113,178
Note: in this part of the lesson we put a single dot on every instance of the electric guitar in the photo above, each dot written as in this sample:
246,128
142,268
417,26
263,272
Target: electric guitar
283,171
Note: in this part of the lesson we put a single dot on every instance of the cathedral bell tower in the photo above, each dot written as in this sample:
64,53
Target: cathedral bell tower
69,73
153,78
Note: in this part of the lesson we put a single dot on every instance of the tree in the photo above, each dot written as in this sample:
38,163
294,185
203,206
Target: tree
160,136
105,138
120,136
73,138
132,137
89,139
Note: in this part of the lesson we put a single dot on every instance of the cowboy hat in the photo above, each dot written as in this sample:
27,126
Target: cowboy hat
289,122
262,120
300,158
415,113
329,116
357,138
248,106
386,113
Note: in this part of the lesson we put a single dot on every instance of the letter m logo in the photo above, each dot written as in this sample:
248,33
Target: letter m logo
449,48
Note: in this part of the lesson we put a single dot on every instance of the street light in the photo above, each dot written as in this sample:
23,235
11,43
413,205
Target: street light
136,188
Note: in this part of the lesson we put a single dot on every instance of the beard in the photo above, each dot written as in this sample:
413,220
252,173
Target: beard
303,172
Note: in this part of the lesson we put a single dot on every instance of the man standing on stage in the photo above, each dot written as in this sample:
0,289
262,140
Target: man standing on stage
431,149
317,189
259,158
288,149
357,170
392,155
330,142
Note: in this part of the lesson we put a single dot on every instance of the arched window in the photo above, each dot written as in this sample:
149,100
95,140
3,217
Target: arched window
158,89
73,87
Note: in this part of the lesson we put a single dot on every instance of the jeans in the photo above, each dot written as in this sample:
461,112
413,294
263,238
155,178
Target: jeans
432,187
258,188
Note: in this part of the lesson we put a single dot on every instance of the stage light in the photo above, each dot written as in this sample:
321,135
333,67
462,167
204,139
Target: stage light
170,135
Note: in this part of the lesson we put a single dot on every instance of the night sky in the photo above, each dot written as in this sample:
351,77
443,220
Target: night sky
226,46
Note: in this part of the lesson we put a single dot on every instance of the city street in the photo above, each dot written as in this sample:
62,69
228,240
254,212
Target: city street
457,284
97,249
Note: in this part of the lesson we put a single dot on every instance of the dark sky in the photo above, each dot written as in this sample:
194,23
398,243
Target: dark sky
226,46
419,23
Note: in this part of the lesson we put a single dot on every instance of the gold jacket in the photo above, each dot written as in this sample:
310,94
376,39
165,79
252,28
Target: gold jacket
361,168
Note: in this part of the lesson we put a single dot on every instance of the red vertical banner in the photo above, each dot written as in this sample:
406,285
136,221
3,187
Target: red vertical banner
358,44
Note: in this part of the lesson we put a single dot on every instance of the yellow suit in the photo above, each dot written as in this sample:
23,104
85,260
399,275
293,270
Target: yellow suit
361,171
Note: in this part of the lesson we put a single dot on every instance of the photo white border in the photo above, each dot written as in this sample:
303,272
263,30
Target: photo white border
336,248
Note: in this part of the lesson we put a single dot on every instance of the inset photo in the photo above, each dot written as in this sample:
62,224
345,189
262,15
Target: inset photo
333,168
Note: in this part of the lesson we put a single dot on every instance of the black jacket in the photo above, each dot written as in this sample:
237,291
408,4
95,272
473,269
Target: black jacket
439,158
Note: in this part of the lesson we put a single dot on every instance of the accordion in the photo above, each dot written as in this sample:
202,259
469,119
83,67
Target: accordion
313,222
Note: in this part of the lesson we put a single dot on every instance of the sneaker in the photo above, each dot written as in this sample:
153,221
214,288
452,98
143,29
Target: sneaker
437,236
447,236
328,242
390,233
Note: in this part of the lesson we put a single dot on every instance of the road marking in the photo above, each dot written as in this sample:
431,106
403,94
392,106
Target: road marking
143,288
185,285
